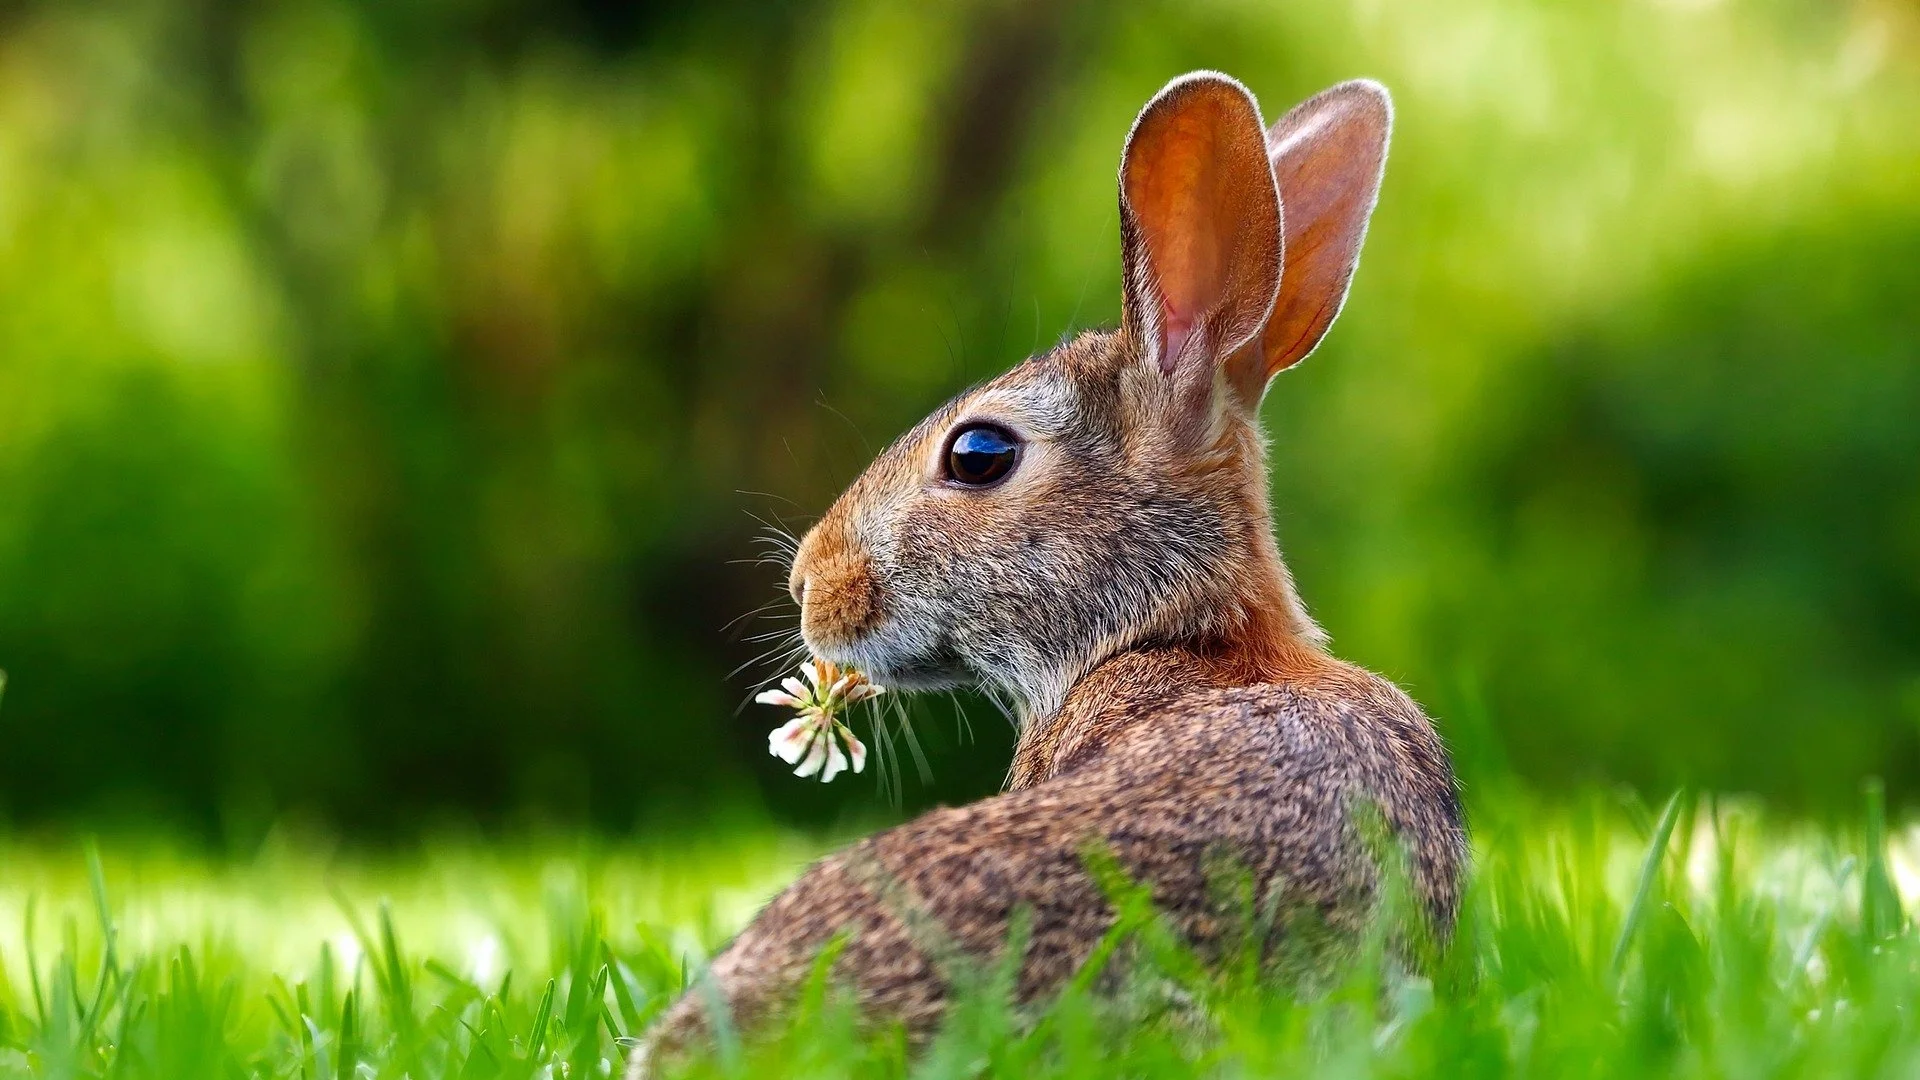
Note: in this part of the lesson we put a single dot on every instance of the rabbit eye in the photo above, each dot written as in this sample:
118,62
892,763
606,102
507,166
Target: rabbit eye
981,455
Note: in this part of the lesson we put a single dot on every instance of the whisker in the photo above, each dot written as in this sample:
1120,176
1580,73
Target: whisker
762,658
763,609
998,696
821,402
786,663
965,726
773,530
913,744
765,495
780,563
886,771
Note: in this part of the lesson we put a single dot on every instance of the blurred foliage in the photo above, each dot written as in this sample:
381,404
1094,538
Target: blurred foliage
388,392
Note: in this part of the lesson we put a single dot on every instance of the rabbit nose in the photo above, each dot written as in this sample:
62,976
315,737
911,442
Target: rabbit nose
797,585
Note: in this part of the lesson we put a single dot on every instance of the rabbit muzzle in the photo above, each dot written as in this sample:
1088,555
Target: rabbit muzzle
833,581
846,615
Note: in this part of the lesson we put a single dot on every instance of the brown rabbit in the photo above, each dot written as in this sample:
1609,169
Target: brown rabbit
1088,535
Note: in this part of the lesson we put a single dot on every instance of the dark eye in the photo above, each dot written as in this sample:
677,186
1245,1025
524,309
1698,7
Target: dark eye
981,455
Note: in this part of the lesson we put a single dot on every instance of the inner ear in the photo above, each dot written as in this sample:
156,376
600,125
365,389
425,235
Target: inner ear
1328,156
1200,225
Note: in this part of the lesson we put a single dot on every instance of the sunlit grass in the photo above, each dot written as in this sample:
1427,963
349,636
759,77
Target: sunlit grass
1600,939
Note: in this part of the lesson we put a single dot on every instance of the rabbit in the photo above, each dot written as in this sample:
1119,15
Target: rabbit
1088,535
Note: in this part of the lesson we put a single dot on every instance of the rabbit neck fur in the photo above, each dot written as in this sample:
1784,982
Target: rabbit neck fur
1133,686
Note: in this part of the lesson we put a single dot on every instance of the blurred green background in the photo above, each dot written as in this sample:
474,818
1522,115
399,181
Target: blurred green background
390,393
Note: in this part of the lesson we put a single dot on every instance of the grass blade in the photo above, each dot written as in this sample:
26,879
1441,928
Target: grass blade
1880,909
33,961
1649,870
537,1036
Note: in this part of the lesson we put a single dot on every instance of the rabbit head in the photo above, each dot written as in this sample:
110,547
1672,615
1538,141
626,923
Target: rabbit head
1112,493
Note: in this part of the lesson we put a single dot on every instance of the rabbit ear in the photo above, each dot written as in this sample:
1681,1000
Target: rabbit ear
1328,156
1199,229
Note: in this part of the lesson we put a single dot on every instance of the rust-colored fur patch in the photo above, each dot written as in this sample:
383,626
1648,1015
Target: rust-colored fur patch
841,599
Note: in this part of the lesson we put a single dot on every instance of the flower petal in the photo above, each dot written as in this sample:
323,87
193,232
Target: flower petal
856,748
791,739
816,757
864,691
836,762
778,697
797,688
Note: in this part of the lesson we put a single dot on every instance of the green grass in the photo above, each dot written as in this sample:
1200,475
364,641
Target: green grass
1600,939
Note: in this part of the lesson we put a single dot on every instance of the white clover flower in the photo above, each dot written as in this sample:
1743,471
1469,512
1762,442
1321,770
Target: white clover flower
812,740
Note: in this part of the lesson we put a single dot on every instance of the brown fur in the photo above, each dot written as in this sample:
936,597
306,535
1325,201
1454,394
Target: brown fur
1122,587
838,597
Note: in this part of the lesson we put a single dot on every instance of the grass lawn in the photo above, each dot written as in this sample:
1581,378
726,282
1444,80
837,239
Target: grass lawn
1600,939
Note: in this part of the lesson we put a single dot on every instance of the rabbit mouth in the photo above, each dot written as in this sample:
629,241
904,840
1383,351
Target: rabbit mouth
927,674
899,662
